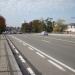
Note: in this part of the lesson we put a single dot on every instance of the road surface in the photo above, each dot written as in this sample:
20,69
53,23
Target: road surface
50,55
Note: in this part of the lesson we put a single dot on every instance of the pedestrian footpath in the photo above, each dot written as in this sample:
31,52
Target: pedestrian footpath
8,64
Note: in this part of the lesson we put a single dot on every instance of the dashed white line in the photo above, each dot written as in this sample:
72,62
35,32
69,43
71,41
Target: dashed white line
30,48
22,59
58,66
30,71
40,54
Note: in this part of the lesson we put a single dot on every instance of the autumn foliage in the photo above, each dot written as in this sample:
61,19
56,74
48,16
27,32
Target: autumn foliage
2,24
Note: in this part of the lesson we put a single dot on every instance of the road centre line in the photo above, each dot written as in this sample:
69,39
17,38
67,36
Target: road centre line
40,54
58,66
50,57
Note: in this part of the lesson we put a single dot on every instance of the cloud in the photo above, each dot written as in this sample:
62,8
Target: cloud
18,10
35,5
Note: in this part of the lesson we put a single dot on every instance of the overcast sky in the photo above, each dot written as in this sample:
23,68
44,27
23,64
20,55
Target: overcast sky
16,11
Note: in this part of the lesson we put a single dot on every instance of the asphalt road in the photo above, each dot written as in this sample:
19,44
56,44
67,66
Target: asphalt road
50,55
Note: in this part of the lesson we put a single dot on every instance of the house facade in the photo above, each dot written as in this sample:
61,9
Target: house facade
71,27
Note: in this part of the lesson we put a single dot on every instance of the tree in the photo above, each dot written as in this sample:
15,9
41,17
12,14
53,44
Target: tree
37,26
49,23
26,27
59,26
2,24
30,27
23,27
43,25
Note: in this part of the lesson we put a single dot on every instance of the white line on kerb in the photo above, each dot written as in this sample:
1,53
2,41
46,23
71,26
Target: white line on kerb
50,57
30,71
13,46
40,54
30,48
16,51
58,66
21,58
11,43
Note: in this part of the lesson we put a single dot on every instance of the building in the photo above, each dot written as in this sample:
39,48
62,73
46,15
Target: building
71,28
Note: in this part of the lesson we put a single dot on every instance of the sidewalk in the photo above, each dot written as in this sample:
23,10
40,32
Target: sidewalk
8,65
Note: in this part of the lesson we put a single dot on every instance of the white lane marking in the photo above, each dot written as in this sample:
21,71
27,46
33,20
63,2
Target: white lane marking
30,48
19,40
21,58
40,54
30,71
24,43
50,57
16,51
71,69
45,41
58,66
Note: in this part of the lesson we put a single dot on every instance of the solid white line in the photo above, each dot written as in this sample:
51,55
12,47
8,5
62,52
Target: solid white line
58,66
45,41
20,40
50,57
21,58
40,54
71,69
24,43
30,71
30,48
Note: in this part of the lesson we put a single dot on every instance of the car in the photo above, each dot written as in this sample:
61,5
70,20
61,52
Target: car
44,33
